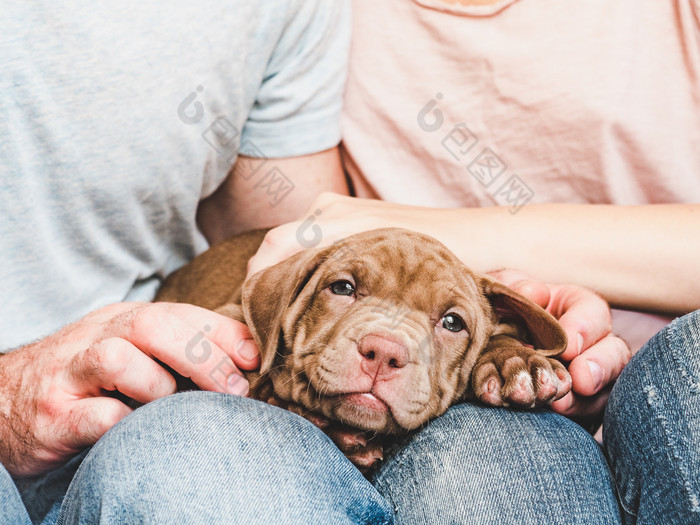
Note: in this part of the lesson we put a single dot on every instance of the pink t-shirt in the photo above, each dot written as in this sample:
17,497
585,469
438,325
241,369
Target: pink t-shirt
524,101
574,102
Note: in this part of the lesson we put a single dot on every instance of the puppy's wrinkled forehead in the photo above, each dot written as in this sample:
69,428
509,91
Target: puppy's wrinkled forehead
393,262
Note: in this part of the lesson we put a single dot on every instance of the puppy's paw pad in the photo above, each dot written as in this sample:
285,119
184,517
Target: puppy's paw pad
486,382
552,379
347,440
519,389
368,458
519,375
546,385
492,393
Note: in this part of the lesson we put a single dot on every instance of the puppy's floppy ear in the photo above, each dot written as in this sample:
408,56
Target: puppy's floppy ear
267,296
547,335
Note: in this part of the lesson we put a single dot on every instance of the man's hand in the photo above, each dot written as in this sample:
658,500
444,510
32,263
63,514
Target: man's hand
55,394
595,357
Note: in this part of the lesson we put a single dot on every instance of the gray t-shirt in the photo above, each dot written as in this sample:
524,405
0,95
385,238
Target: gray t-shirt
117,118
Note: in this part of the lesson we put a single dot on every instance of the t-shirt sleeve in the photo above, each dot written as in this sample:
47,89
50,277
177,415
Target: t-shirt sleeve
297,110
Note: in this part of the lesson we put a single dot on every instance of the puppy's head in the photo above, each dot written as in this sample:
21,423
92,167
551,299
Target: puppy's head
381,330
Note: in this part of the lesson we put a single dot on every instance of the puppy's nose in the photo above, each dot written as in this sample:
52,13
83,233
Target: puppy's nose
381,356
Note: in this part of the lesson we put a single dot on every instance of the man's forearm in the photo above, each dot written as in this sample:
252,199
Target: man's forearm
261,193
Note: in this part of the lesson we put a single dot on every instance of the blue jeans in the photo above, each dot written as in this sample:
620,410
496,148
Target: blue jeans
652,428
203,457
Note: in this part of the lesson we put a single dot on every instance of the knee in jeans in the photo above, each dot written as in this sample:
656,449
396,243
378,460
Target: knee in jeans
473,456
215,417
489,439
201,456
683,337
652,408
204,427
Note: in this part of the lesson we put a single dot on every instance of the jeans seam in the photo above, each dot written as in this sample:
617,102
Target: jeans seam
621,500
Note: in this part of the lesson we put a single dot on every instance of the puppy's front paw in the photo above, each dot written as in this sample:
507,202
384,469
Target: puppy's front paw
365,453
517,375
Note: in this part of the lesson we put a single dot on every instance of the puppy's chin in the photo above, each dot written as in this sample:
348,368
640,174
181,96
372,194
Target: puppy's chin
366,412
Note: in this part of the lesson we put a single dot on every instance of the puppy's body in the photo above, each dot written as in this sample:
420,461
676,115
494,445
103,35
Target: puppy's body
215,278
380,332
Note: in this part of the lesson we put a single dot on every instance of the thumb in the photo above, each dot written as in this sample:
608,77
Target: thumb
583,315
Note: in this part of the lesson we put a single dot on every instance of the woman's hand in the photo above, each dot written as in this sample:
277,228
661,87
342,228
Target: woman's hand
594,356
330,218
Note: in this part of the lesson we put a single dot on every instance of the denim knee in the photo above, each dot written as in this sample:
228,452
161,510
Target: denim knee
652,428
485,465
202,457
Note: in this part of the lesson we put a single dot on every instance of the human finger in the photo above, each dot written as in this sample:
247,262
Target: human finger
277,245
89,419
115,364
599,366
188,338
585,410
584,316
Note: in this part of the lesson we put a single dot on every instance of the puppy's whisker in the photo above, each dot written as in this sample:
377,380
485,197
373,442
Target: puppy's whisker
278,367
308,389
291,378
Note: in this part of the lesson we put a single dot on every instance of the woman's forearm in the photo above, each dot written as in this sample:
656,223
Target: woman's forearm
636,257
641,257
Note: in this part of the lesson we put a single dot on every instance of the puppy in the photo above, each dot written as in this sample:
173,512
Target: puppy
372,337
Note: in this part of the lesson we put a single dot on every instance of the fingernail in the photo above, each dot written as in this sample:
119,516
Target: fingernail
579,341
247,349
596,374
237,385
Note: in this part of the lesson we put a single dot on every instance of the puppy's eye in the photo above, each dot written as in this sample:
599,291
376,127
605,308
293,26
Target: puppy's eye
453,323
342,288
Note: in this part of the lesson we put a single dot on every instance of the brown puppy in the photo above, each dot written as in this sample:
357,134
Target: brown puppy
380,332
